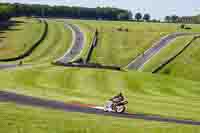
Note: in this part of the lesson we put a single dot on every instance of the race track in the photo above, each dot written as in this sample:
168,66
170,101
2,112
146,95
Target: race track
139,62
38,102
5,66
76,45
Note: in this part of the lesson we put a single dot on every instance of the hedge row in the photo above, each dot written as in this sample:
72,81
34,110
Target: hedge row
93,45
88,65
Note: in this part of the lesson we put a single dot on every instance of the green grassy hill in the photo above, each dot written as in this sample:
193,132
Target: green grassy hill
148,94
169,51
118,46
26,119
56,43
20,37
187,64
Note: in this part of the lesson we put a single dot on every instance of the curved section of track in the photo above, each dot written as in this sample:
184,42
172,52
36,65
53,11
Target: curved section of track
139,62
76,46
37,102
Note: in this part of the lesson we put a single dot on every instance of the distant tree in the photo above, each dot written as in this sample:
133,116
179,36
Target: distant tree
63,11
174,18
146,17
168,19
196,19
6,12
124,16
130,15
138,16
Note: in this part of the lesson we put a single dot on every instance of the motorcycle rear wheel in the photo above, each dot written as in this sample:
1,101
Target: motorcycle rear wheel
120,109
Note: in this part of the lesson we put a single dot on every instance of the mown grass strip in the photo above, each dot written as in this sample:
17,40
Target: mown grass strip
19,36
28,119
146,94
186,65
56,43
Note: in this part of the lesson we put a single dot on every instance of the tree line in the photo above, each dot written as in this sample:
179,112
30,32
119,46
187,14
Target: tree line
145,17
6,11
105,13
182,19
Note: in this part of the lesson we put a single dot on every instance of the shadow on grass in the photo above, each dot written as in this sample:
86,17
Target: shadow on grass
13,29
2,38
7,25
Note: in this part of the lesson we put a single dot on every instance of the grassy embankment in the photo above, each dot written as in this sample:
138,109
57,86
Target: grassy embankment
187,64
166,53
20,37
88,33
56,43
119,47
149,94
26,119
146,93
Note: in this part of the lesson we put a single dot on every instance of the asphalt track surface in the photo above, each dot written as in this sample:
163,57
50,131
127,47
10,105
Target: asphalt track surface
51,104
76,45
5,66
140,61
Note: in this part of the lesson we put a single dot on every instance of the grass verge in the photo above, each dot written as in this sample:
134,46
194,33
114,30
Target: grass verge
187,64
146,93
12,120
168,51
120,42
13,42
56,43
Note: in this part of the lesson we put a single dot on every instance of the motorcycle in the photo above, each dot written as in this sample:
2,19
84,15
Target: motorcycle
120,107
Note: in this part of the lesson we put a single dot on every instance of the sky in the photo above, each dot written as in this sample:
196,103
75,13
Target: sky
157,8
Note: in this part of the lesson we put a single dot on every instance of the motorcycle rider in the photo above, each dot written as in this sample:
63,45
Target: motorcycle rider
116,100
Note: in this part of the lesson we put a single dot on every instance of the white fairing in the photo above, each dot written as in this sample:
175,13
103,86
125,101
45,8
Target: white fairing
108,106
